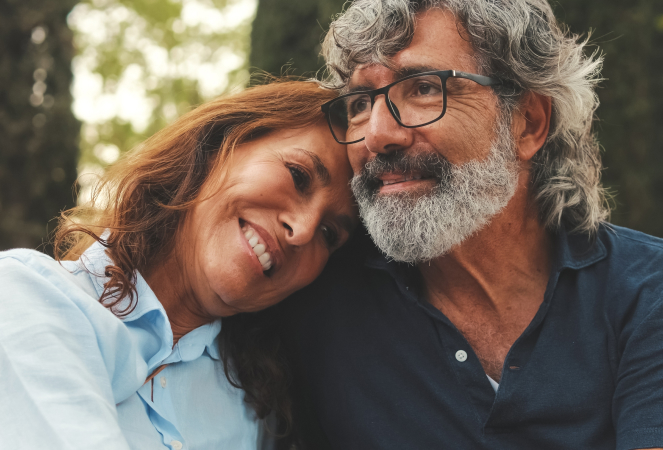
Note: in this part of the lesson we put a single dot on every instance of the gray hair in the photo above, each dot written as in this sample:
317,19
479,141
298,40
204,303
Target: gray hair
518,41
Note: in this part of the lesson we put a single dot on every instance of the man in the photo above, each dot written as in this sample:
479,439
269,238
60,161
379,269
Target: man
501,311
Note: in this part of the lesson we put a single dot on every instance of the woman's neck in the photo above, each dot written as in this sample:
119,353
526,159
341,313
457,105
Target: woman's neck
169,283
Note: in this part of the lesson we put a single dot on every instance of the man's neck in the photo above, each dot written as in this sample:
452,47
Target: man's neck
492,284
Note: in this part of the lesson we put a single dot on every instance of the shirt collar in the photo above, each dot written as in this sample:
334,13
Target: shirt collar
190,346
578,250
95,260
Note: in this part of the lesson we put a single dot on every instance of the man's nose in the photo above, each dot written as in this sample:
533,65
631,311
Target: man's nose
383,133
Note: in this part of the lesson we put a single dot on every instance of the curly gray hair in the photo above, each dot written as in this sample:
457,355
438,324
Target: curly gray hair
518,41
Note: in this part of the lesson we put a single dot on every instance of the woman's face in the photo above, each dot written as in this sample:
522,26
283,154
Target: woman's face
284,205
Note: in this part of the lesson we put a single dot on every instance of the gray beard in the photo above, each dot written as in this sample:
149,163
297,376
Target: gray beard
416,226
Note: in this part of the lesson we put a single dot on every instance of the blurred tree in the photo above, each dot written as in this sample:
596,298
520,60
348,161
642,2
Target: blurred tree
631,112
287,34
143,63
38,132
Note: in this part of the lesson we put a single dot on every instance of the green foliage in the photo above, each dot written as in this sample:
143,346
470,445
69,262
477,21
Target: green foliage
142,63
631,112
38,132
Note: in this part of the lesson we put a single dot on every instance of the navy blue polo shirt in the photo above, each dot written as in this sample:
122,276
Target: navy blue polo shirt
375,365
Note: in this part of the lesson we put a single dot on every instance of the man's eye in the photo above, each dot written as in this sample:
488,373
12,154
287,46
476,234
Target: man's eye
427,89
359,106
300,178
330,235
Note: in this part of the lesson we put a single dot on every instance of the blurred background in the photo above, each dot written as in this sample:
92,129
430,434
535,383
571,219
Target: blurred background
81,82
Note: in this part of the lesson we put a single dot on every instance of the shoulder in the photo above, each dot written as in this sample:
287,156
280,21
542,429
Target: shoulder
348,287
52,314
632,257
345,275
38,291
629,280
21,266
625,242
23,270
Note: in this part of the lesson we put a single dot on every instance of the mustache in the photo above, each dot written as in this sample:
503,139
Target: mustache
428,165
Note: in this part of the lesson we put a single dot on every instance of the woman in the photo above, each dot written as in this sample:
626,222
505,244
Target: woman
229,210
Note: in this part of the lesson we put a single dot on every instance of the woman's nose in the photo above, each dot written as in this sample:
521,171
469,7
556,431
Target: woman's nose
383,133
300,227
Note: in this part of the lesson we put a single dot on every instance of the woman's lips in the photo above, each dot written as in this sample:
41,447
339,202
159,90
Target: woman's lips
258,247
263,245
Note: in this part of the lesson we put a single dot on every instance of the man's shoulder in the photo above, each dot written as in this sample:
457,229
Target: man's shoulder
347,281
627,245
629,280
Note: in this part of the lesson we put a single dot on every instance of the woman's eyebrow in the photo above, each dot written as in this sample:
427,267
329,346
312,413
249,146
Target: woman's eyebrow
320,169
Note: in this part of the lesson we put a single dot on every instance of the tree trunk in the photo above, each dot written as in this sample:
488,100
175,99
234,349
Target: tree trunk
287,34
38,132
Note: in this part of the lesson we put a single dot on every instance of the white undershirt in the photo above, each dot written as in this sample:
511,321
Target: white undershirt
493,383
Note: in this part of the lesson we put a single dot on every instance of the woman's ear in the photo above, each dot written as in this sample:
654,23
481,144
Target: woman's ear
531,123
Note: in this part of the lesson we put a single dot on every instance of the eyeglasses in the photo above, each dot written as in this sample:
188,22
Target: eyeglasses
414,101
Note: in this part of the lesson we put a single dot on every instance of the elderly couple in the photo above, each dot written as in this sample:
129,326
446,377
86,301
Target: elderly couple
491,308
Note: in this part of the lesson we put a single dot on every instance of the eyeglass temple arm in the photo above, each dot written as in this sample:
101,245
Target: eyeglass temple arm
483,81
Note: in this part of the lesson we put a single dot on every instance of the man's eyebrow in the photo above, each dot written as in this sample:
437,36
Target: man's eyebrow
399,74
414,70
320,169
361,87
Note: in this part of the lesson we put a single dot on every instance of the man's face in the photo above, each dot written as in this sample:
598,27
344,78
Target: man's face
421,191
464,133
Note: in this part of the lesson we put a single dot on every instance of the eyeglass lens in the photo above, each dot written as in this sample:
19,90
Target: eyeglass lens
415,101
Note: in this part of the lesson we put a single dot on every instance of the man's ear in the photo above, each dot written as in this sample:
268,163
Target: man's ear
531,123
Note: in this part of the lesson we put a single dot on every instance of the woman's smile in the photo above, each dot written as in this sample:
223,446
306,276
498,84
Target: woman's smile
272,215
262,247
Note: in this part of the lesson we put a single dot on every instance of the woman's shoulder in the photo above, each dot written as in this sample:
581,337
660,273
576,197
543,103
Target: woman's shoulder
52,312
24,270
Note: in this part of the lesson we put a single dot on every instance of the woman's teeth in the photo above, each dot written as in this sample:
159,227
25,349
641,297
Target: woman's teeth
259,249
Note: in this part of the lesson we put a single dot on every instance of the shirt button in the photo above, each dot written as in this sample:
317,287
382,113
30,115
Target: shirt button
163,384
461,355
177,445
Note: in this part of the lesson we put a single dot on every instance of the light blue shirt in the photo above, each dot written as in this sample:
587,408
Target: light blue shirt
72,374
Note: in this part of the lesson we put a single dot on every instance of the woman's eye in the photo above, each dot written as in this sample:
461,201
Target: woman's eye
330,236
299,177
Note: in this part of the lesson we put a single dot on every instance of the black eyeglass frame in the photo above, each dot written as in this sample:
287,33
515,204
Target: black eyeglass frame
444,75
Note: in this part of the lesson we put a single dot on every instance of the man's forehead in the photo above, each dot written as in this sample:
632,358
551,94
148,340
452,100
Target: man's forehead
376,75
436,45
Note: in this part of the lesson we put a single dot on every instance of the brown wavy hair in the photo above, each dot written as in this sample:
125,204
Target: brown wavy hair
140,204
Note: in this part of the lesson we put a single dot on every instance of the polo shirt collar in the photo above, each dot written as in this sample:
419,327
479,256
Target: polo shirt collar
577,250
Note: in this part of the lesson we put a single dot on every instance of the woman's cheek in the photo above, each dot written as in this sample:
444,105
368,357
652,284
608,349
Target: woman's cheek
311,267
